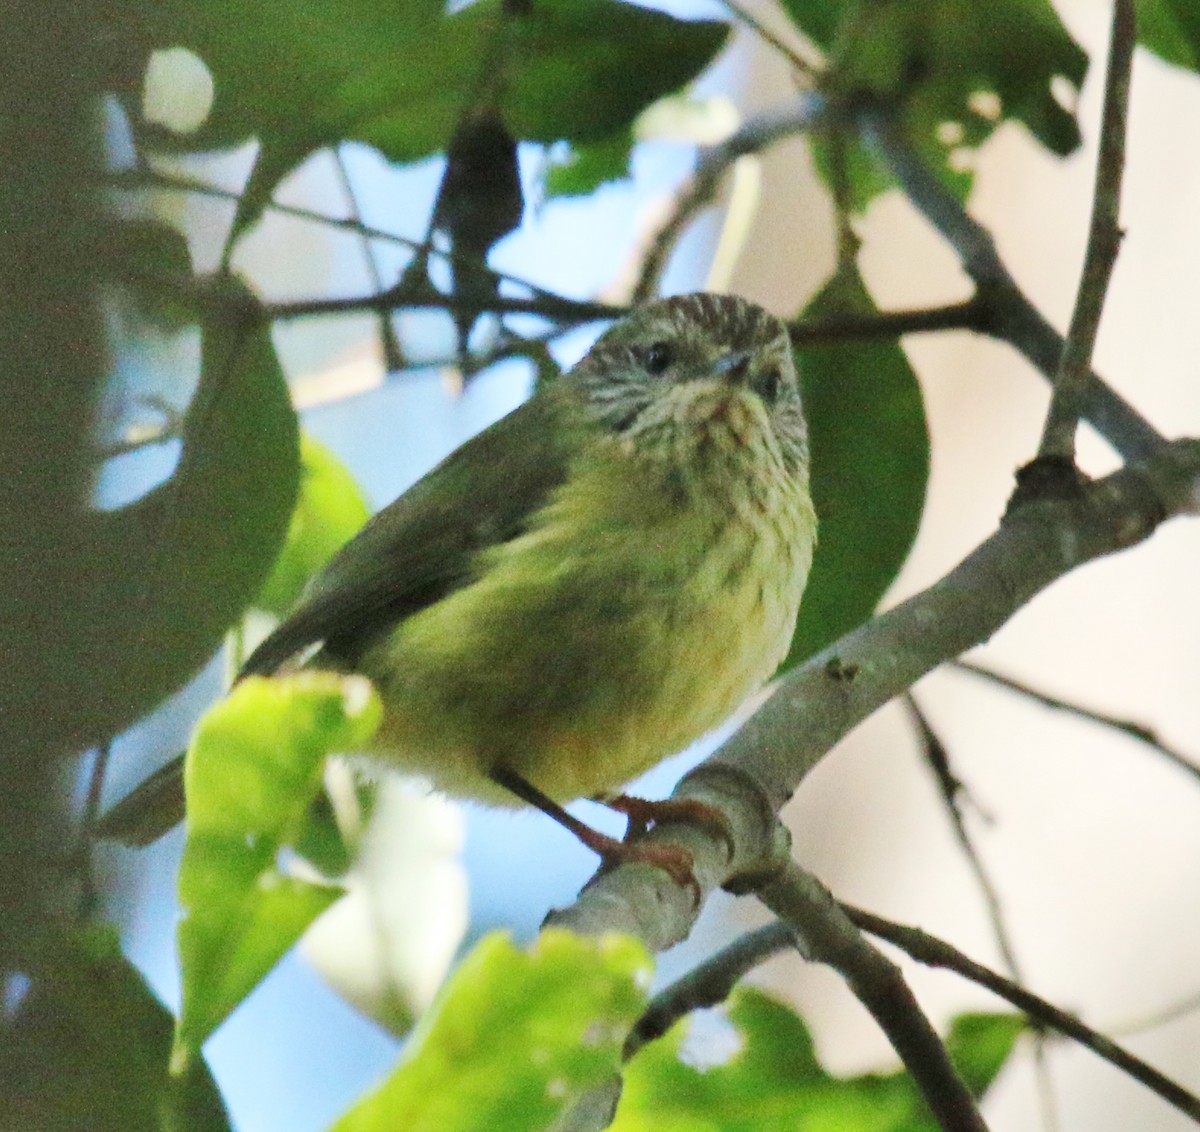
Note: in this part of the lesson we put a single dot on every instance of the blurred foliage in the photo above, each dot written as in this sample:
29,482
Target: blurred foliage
954,70
252,770
400,77
89,1048
514,1038
774,1082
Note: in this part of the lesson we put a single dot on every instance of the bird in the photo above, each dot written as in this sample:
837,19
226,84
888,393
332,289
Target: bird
582,589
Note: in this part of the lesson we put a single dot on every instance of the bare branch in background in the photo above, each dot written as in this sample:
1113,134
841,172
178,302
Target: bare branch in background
1138,731
1104,241
826,935
1009,314
936,953
699,190
709,984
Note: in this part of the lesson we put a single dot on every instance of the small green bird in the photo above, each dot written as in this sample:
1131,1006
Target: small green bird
585,587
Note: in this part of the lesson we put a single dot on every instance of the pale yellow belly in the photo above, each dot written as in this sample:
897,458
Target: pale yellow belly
584,656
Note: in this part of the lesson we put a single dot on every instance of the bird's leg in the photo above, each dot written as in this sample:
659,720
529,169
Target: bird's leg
645,813
672,859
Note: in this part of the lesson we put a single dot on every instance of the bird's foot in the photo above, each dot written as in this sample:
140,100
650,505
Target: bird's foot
674,860
644,814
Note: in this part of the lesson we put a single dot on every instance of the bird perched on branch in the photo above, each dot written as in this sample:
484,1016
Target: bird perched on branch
585,587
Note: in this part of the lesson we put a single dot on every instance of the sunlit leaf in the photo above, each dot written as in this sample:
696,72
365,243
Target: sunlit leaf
514,1037
330,510
253,768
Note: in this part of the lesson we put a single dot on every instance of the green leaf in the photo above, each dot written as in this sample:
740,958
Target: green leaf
513,1038
870,468
933,61
775,1081
170,573
253,768
88,1045
589,165
979,1044
399,76
1171,29
331,508
145,253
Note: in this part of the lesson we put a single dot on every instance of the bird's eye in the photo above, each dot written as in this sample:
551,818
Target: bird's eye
769,383
657,358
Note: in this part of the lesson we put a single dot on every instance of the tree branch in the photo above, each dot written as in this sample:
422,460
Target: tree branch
1009,314
1128,727
834,329
698,190
949,790
758,769
827,935
708,984
1104,241
934,952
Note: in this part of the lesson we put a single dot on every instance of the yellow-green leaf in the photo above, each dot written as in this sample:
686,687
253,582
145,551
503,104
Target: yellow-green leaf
514,1037
252,770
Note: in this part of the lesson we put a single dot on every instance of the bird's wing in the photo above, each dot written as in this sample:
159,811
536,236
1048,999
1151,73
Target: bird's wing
423,546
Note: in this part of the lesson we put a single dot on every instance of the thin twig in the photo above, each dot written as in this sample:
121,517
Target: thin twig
934,952
1138,731
838,328
951,789
1104,241
698,190
154,179
1161,1017
708,984
87,829
826,935
1010,315
805,67
393,355
395,298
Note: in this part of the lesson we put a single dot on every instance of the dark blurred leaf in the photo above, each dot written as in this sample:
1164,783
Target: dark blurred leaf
774,1081
870,466
931,62
478,203
513,1038
329,511
88,1045
589,165
171,572
253,768
400,76
1171,29
145,252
